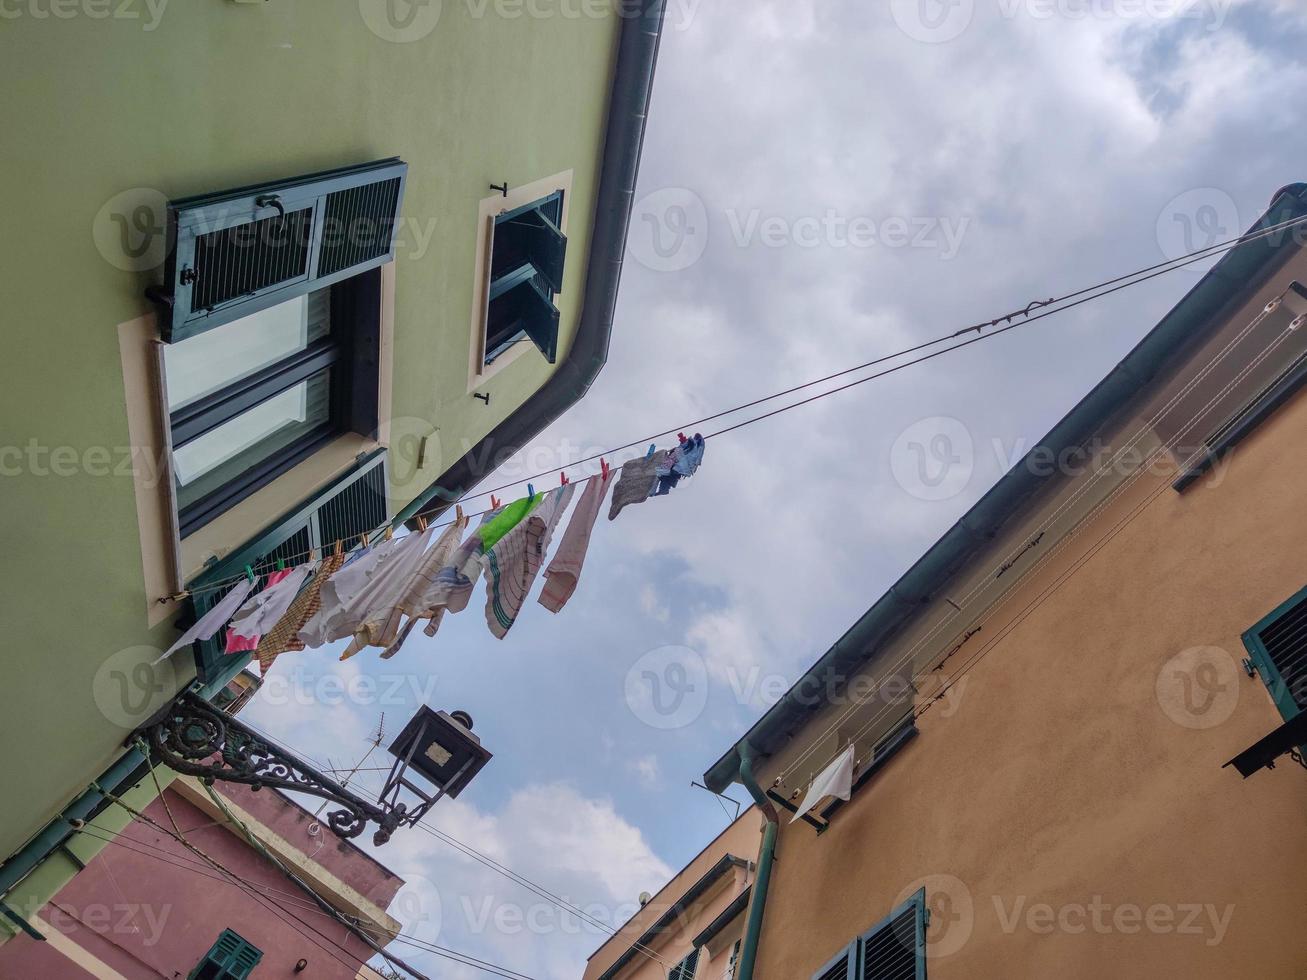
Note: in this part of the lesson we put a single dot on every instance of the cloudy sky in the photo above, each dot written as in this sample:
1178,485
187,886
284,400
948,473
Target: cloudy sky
822,183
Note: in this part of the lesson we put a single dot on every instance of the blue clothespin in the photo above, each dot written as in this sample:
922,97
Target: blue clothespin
249,573
530,491
653,448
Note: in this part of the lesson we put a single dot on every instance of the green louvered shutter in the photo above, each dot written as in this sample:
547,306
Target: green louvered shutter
1278,648
685,969
896,948
528,253
355,503
240,251
231,958
840,968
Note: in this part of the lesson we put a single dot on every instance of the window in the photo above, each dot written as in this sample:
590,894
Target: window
1278,650
355,503
684,970
893,949
527,253
231,958
733,964
270,310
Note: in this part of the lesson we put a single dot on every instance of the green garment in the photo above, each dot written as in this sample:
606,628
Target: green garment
507,519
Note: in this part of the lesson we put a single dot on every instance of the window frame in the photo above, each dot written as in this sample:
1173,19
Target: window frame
222,958
851,956
1260,657
349,350
524,276
690,961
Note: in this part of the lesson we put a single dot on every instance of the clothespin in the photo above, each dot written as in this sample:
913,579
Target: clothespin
681,436
494,502
422,524
653,448
562,479
249,574
363,539
531,490
313,555
281,564
458,513
390,532
339,549
603,467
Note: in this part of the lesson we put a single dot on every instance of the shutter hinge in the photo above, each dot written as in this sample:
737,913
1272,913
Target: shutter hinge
188,276
1249,667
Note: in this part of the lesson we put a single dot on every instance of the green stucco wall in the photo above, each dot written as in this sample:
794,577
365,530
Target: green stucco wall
219,94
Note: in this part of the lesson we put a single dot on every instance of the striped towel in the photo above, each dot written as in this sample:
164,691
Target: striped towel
514,562
563,572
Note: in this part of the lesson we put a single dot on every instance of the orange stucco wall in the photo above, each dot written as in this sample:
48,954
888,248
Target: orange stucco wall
741,840
1066,806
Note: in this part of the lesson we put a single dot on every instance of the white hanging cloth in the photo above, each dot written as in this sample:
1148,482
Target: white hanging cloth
835,780
213,620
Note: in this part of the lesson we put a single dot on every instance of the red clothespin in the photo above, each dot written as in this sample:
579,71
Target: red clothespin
681,436
603,467
494,502
562,479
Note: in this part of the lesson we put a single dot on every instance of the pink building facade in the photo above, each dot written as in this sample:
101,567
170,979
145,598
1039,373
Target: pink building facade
147,908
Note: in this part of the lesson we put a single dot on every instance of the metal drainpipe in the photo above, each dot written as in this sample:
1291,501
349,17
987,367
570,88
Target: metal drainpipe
758,906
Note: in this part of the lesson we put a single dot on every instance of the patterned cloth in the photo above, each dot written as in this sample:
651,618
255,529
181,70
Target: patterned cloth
451,590
637,481
338,616
261,613
515,560
243,637
563,572
415,603
371,609
283,636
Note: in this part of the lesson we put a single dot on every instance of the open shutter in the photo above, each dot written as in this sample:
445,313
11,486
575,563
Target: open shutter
685,969
528,252
842,967
896,948
526,308
231,958
531,236
241,251
1278,645
356,503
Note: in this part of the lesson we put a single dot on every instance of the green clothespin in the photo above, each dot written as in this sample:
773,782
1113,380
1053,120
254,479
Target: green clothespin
281,564
249,573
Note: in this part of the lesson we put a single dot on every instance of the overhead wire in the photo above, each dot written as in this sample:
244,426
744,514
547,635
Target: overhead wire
1002,324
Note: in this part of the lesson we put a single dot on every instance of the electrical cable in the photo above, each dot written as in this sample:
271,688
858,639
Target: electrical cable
1026,316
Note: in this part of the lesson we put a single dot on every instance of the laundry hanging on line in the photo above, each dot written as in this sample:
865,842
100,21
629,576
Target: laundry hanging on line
377,595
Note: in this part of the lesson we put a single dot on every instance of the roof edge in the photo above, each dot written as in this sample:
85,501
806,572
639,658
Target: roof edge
1239,273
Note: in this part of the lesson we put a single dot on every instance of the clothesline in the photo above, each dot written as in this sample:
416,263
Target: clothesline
375,597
